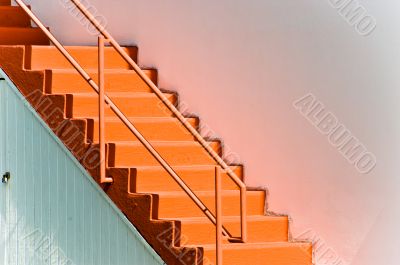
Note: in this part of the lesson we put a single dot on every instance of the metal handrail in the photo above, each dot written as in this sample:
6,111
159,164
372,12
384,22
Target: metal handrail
176,112
124,119
105,36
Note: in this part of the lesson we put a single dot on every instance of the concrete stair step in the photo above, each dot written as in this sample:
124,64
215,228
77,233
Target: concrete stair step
134,154
5,2
198,231
154,179
131,104
276,253
22,36
48,57
177,204
13,16
153,128
61,81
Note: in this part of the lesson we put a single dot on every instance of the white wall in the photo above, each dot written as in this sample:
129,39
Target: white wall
241,64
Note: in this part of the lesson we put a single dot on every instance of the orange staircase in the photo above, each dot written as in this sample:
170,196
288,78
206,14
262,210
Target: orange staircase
144,192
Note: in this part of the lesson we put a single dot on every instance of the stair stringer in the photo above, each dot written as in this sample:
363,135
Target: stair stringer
162,235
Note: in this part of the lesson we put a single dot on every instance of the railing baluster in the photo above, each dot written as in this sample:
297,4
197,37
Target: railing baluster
243,214
218,214
102,142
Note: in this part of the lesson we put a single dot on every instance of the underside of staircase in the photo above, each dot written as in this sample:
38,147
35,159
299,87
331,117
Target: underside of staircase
165,216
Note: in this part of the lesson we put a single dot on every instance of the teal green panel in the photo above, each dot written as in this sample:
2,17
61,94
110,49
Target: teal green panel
51,210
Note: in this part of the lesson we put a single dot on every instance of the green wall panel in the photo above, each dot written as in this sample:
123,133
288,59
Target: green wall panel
51,210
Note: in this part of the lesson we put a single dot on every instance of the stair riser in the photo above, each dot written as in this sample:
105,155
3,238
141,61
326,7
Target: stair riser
258,231
182,206
294,255
131,107
138,155
155,131
40,58
22,36
148,180
70,82
5,2
13,17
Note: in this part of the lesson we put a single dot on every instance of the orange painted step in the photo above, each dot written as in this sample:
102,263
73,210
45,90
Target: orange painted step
12,16
178,204
39,57
276,253
69,81
131,104
22,36
5,2
260,229
134,154
154,129
267,235
198,178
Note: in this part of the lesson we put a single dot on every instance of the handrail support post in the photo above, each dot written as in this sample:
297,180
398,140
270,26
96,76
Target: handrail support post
102,141
243,213
218,215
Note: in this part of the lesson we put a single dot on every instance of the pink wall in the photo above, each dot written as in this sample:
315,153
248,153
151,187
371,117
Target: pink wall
240,65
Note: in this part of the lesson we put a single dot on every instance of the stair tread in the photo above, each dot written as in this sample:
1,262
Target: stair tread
10,8
70,81
179,167
162,143
154,179
23,29
121,94
23,36
139,104
139,119
256,245
14,17
208,193
175,152
6,8
95,71
49,57
201,220
81,47
261,228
